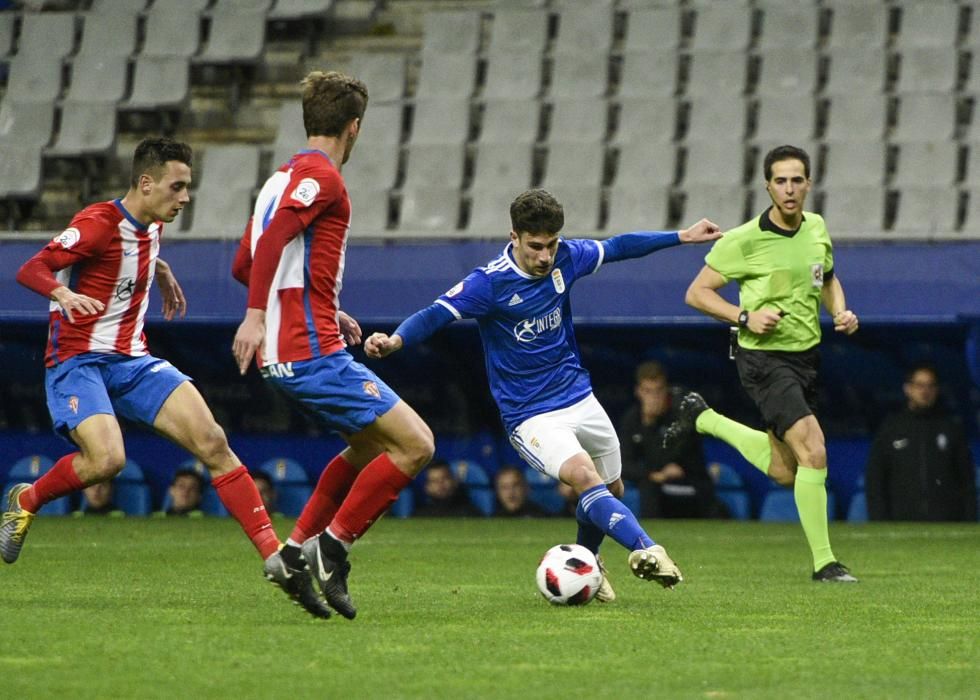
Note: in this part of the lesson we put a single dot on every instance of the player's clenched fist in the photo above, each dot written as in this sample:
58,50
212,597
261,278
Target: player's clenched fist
380,345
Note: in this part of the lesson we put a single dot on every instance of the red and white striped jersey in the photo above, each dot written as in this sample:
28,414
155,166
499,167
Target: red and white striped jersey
108,255
304,296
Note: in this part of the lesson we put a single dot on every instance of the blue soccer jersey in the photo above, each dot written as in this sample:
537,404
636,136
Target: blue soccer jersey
525,323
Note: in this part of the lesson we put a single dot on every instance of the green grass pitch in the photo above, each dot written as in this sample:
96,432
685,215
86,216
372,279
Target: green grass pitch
448,609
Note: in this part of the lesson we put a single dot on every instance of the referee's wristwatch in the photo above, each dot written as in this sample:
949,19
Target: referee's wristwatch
743,318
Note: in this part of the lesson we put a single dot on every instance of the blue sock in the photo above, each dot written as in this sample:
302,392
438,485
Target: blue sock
589,536
607,513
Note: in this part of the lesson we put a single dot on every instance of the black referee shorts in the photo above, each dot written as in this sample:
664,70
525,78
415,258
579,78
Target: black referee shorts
782,384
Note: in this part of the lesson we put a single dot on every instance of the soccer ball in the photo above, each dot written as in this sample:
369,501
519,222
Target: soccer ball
569,575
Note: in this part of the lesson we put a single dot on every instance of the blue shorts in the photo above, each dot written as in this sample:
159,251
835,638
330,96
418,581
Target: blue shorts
95,382
343,394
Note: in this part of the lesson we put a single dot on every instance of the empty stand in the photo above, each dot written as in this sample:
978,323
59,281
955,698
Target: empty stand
648,164
857,24
176,34
925,117
108,34
932,24
432,210
25,123
6,33
579,75
383,73
649,74
650,120
581,204
789,25
452,32
712,162
518,31
514,76
237,33
854,212
856,118
373,166
855,72
371,205
584,30
722,26
47,35
707,120
117,7
34,78
20,172
785,72
159,82
932,69
300,9
87,128
290,135
440,121
503,166
854,163
433,163
723,204
923,164
229,174
926,211
638,206
575,164
509,120
971,227
444,76
774,122
653,29
490,210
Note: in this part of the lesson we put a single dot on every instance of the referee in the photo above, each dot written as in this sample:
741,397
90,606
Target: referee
783,262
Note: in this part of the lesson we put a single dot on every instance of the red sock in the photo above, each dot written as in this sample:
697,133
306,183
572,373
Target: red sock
374,490
237,491
58,481
330,492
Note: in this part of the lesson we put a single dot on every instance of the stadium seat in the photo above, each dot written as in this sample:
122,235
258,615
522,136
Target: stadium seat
854,212
237,33
28,470
172,34
853,163
653,28
789,25
291,482
477,482
372,208
515,76
229,174
490,211
928,24
34,78
429,163
730,490
446,76
718,74
926,164
787,71
925,117
857,510
581,204
510,121
855,23
404,505
856,118
159,82
649,74
518,31
578,121
441,121
575,164
579,75
636,206
856,72
703,120
116,7
502,166
25,124
584,30
290,132
926,212
779,505
723,204
722,26
300,9
108,34
20,172
87,128
383,73
649,165
454,32
6,33
101,77
928,70
131,492
375,167
704,160
543,490
432,210
776,123
649,120
46,36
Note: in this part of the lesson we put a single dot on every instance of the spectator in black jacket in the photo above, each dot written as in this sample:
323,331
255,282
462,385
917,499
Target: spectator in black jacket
920,466
673,481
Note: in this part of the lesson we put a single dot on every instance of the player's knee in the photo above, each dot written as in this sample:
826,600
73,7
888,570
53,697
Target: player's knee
421,447
210,443
105,463
616,488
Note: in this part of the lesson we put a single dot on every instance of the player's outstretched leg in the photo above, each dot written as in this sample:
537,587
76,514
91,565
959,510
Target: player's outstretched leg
14,525
647,560
297,584
328,563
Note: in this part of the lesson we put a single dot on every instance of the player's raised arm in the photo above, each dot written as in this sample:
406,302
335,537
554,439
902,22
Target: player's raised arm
412,330
636,244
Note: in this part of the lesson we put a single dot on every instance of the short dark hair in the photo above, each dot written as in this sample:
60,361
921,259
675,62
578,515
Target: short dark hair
330,101
922,367
536,211
652,370
785,153
153,153
187,471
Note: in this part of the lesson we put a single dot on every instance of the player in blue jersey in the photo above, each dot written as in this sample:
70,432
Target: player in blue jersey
520,301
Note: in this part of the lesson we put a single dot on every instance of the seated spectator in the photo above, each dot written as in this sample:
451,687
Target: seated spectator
445,496
920,466
266,490
186,491
98,500
512,495
673,482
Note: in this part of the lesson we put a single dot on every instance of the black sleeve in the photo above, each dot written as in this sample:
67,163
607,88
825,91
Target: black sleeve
875,476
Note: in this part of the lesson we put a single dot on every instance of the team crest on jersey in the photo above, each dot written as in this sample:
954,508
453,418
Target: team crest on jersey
306,191
73,404
558,280
372,389
816,275
68,237
455,290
